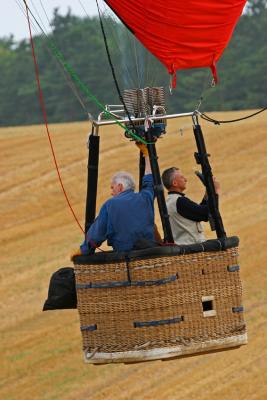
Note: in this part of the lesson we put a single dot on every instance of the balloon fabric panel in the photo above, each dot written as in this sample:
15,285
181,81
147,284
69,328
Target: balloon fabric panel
182,34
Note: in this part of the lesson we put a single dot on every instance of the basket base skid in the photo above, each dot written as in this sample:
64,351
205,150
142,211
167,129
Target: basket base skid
165,353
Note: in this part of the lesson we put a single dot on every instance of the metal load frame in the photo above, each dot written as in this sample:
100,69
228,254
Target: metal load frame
201,158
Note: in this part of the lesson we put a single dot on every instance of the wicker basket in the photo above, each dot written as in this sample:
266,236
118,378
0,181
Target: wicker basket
145,307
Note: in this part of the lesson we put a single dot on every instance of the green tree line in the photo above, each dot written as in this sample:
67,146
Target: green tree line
242,70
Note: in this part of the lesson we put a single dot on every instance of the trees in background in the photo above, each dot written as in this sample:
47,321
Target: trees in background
242,72
256,7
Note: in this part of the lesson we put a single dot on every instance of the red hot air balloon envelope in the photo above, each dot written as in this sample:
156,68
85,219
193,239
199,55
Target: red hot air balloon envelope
182,34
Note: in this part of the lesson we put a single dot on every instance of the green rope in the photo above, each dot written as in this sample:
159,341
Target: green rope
88,93
82,86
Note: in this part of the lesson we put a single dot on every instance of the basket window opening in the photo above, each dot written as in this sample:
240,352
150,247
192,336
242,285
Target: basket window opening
208,306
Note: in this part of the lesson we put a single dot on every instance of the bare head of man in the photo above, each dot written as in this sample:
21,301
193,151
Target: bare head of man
120,182
174,180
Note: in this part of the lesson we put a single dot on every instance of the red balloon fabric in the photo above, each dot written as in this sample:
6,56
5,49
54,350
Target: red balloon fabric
182,34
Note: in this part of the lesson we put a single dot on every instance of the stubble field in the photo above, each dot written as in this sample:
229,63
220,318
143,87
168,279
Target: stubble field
41,356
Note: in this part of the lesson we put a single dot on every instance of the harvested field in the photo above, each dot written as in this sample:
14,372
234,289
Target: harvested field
41,352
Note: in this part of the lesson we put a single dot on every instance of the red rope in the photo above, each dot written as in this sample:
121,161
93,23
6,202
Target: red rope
45,119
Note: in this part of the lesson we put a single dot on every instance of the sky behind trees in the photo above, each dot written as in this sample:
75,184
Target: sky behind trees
13,20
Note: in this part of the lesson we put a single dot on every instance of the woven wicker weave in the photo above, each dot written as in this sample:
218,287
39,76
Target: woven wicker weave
160,307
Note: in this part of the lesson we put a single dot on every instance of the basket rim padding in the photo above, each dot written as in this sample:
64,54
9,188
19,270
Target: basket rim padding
158,251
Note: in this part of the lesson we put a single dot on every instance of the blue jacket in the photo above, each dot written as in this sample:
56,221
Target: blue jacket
124,219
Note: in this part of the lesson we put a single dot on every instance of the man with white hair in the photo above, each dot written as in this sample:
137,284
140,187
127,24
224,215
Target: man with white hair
125,218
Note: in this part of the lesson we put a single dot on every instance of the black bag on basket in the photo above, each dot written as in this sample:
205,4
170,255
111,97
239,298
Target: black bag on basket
62,290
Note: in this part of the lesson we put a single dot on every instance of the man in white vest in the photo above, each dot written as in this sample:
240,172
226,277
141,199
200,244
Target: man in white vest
185,215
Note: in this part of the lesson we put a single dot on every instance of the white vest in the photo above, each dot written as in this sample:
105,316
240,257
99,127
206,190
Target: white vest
185,231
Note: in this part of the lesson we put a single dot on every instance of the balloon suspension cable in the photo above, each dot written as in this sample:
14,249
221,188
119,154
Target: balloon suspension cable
199,104
76,79
211,84
58,64
195,118
170,85
218,122
117,42
112,68
42,104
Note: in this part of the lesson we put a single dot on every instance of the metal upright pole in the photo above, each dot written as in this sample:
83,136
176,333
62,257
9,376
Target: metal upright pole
92,178
141,169
159,191
202,159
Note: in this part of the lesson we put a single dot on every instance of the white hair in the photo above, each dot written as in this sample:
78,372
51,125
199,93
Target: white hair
126,179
